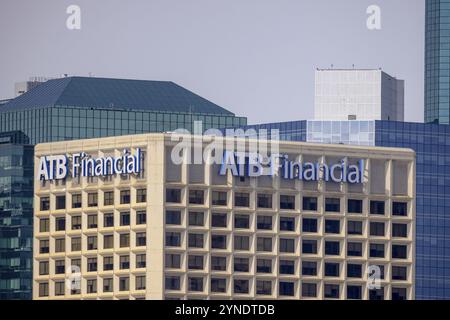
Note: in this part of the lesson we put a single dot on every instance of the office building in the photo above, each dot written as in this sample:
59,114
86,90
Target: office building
78,107
437,61
25,86
358,94
194,231
432,145
16,215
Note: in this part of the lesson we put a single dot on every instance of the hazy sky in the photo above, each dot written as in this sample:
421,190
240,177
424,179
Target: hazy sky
254,57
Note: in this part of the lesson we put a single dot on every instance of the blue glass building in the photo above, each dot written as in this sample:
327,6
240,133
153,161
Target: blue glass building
432,145
437,61
78,108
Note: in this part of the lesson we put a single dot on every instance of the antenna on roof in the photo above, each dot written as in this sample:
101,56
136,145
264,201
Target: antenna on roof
353,65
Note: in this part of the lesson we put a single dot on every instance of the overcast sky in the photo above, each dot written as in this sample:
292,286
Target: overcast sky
254,57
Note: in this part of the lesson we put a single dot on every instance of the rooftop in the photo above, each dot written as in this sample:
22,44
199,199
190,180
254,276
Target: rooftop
88,92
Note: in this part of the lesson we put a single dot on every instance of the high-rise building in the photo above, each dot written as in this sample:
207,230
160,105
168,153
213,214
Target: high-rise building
432,145
163,230
73,108
358,94
437,61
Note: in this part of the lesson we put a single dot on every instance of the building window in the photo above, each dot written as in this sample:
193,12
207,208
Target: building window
376,294
400,209
92,243
76,222
241,286
125,218
43,289
195,262
45,203
140,283
218,241
219,198
264,222
108,198
218,263
60,245
92,221
241,221
332,226
264,244
141,195
287,224
219,220
43,268
44,225
287,267
141,239
60,288
173,217
76,262
60,224
218,285
173,239
92,264
399,230
354,292
398,293
354,206
241,199
241,243
196,197
331,269
60,267
309,225
354,249
76,200
172,283
91,286
287,245
377,250
332,205
124,262
354,270
399,251
310,203
354,227
141,260
195,284
332,248
399,273
377,229
264,201
124,196
377,207
241,265
331,291
76,244
124,284
108,241
108,220
309,268
195,240
196,219
309,290
108,263
92,199
107,285
173,261
124,240
309,246
141,217
60,202
44,246
173,195
287,202
286,289
263,287
264,266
